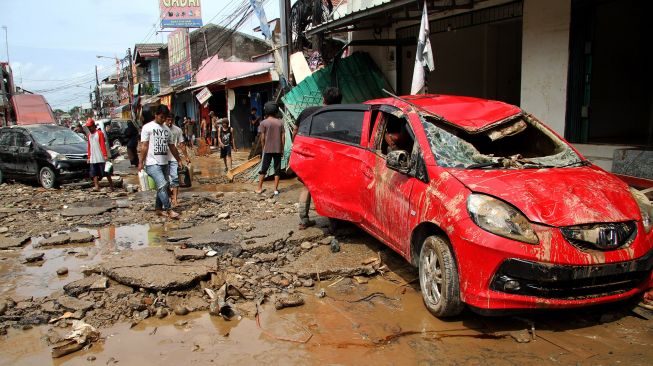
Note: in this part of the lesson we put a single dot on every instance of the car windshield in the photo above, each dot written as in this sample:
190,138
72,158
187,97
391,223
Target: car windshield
520,143
51,137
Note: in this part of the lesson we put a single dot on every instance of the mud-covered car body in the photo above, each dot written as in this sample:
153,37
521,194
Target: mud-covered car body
527,221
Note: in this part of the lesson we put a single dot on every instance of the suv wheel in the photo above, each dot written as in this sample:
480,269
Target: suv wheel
47,177
438,278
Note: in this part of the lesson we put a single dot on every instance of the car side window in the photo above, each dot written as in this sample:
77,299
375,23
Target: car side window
6,138
393,133
20,140
339,125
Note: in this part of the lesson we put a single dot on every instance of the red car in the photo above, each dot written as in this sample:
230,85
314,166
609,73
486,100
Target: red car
496,210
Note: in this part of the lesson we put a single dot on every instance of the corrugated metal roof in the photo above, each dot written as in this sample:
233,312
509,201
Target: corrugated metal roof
358,77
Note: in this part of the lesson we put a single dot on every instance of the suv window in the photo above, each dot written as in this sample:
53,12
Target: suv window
20,140
6,138
339,125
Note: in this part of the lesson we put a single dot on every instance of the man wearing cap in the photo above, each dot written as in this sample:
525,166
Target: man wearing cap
97,155
155,144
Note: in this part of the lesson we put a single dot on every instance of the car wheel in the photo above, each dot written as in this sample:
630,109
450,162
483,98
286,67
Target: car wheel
47,178
438,278
116,143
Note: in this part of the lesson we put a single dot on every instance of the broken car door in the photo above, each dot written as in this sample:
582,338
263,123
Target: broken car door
393,186
7,158
327,155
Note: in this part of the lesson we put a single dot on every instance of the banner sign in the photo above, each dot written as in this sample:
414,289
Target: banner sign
204,95
180,13
179,56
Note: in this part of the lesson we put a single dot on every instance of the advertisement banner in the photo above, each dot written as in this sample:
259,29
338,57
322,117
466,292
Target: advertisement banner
180,13
179,56
204,95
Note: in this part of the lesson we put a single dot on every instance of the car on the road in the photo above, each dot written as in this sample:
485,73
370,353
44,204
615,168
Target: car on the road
49,154
496,210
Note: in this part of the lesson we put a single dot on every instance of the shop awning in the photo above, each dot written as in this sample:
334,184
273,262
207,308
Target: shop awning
151,100
121,108
215,70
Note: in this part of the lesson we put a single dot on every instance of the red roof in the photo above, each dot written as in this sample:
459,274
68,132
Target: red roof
31,109
469,113
214,69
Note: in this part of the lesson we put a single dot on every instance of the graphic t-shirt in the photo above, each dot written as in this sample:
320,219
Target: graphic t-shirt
158,136
226,136
176,138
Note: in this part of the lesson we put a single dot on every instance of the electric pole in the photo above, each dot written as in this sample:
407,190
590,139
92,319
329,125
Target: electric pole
284,12
6,41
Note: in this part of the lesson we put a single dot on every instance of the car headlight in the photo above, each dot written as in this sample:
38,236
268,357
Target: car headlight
645,208
500,218
56,156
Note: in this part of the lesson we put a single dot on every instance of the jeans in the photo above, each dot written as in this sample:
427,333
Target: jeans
173,165
160,175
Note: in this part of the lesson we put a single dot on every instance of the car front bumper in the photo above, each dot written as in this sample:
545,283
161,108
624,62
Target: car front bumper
504,274
68,170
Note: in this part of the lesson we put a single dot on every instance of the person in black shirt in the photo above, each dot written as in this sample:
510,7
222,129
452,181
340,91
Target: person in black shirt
254,121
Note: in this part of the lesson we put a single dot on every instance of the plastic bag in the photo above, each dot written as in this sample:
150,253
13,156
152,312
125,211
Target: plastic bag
143,180
108,167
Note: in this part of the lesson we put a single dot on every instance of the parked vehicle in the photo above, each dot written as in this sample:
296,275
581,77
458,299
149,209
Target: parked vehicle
48,153
496,210
115,130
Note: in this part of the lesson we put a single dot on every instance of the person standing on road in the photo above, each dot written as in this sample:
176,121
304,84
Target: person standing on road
215,125
254,121
203,124
131,133
189,127
177,139
273,140
155,144
227,142
331,95
97,155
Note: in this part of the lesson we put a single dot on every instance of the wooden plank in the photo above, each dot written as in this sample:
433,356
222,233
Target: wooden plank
243,167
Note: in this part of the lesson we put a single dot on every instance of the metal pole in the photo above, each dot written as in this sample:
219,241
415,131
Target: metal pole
6,41
284,6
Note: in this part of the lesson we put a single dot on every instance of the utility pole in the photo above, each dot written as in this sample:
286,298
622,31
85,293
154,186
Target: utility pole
6,41
130,84
284,13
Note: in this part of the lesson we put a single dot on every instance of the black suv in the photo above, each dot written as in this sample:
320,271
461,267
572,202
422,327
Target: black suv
48,153
115,131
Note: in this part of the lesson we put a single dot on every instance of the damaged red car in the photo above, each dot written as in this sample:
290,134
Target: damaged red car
497,211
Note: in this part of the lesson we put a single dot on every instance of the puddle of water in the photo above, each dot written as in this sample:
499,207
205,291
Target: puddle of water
36,280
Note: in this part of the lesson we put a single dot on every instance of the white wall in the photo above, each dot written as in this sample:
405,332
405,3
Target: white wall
545,58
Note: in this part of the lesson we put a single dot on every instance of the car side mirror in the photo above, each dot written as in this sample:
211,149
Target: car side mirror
398,160
28,144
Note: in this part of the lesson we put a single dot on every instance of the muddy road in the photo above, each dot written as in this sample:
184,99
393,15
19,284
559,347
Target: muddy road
152,288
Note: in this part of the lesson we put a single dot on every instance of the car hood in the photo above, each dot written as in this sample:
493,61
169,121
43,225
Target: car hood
80,148
557,196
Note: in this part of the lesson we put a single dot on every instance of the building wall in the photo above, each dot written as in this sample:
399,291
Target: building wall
218,41
545,60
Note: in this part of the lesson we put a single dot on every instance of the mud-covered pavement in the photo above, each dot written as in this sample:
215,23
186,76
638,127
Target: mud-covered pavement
151,287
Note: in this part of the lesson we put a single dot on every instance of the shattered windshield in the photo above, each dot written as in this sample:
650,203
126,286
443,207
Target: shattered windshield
519,143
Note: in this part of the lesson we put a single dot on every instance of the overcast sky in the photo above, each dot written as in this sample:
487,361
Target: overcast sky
53,42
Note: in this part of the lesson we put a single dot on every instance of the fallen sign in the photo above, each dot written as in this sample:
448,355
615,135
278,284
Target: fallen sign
243,167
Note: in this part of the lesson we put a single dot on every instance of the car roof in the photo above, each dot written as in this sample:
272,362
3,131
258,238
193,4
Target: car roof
39,127
471,114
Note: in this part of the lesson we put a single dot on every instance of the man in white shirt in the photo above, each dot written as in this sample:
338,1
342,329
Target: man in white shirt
97,155
155,144
177,139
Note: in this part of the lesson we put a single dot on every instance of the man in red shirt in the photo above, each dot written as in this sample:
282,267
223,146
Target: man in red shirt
97,155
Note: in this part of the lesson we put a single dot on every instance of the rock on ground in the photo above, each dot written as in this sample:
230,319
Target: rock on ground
92,282
155,269
347,262
188,253
9,242
74,304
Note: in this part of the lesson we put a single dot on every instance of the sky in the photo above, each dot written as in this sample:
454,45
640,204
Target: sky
54,43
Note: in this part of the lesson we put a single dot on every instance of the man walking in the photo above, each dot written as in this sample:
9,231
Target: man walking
177,139
97,155
155,144
331,95
273,141
254,121
227,142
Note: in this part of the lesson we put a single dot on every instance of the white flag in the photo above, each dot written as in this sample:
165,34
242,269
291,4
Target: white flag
424,54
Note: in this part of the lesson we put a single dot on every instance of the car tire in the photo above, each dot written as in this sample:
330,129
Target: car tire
47,177
438,278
